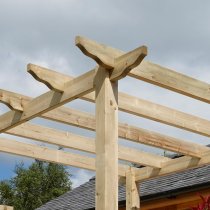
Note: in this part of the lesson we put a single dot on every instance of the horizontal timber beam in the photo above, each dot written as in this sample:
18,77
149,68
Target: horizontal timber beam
172,80
58,156
85,120
48,101
156,74
120,66
47,76
71,89
140,107
52,155
146,109
77,142
174,165
13,100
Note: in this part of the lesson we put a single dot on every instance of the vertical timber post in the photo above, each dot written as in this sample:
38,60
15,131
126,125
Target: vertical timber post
106,141
3,207
132,191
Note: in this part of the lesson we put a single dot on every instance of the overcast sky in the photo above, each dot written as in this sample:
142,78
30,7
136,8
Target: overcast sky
43,32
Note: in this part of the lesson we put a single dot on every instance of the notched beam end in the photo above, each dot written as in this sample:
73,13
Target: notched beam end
125,63
52,79
14,101
96,51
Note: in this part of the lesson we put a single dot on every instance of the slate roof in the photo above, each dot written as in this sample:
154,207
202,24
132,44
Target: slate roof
83,197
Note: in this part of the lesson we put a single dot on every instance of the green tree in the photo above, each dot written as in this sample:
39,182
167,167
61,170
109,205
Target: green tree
33,186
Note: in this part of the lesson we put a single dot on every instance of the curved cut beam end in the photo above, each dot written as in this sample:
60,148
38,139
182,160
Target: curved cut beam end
96,51
36,73
111,59
14,101
126,62
52,79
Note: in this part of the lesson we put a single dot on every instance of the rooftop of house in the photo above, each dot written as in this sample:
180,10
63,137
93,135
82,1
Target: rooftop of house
83,197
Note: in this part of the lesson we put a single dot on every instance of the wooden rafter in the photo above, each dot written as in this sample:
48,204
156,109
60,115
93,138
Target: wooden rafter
139,135
73,89
48,101
137,106
52,155
77,142
160,76
174,165
120,66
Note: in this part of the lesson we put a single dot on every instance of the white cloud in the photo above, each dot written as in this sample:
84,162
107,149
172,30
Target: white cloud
80,176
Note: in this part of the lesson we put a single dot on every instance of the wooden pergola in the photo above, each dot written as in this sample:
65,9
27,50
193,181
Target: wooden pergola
100,86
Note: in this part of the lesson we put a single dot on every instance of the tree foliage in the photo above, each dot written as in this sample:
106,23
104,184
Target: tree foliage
33,186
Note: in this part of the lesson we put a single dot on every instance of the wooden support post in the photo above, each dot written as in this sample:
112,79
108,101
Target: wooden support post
106,141
3,207
132,191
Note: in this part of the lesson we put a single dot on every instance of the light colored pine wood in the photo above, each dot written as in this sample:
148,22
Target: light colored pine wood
46,154
48,101
132,191
3,207
143,108
85,120
139,135
70,90
153,73
120,65
174,165
13,100
106,142
52,155
54,80
163,114
88,47
172,80
125,63
77,142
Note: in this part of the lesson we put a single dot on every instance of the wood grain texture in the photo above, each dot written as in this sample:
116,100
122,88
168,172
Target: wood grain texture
3,207
139,135
132,191
162,76
106,141
13,100
46,154
77,142
149,110
54,80
52,155
85,120
174,165
141,108
48,101
172,80
120,66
